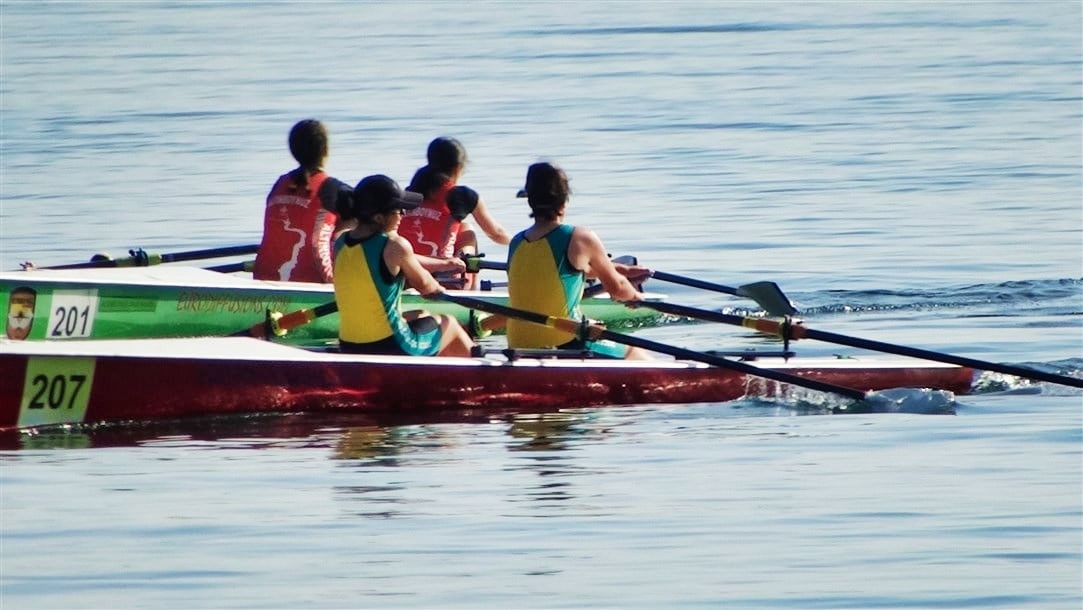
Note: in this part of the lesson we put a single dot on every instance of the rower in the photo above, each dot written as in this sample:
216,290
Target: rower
373,264
438,229
300,222
549,263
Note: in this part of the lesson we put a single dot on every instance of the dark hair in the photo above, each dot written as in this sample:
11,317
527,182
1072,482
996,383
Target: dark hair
426,181
446,157
547,190
309,146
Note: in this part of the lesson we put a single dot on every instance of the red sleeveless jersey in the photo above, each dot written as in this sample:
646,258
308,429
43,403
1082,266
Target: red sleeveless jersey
431,228
297,233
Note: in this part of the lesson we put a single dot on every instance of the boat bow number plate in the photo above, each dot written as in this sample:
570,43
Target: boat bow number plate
56,391
72,313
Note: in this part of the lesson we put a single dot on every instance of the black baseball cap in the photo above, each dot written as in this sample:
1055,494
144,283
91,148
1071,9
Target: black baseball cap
378,193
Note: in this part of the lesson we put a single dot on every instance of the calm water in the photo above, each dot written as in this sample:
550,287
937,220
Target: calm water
908,172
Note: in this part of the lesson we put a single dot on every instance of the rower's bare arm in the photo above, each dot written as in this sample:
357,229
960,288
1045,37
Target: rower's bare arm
399,254
589,254
636,273
437,265
489,225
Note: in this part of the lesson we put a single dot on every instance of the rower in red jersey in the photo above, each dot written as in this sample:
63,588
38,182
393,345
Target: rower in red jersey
438,229
300,222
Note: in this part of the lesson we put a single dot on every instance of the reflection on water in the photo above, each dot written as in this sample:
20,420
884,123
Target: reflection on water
227,432
549,431
360,436
378,445
394,471
373,462
549,446
352,435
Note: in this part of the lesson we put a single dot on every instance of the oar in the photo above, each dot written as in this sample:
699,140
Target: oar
140,258
599,332
233,267
789,330
767,294
277,324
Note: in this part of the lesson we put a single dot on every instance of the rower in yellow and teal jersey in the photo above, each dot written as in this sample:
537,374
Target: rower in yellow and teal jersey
549,263
373,264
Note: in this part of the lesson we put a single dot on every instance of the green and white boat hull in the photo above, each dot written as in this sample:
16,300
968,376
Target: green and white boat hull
180,301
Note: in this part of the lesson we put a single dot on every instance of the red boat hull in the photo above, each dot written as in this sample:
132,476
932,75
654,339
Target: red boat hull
103,381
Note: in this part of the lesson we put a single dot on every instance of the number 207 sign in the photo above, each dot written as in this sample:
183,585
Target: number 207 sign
56,391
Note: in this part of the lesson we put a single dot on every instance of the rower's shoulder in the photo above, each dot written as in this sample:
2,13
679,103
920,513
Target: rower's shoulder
398,244
586,236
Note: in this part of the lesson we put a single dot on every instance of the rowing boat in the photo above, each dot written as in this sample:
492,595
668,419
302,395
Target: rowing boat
46,383
182,301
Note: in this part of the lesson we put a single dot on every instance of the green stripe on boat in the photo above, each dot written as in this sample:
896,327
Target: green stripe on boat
181,301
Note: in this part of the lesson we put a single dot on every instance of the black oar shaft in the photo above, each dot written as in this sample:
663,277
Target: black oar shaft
902,350
140,258
765,294
178,257
693,282
677,352
232,267
799,331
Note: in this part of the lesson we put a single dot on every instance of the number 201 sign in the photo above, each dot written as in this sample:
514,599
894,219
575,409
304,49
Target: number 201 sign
71,314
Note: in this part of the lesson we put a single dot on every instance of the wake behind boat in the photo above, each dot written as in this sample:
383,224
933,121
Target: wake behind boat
70,382
182,301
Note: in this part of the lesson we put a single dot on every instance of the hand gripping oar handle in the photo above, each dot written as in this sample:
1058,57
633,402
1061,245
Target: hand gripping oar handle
140,258
788,330
598,332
